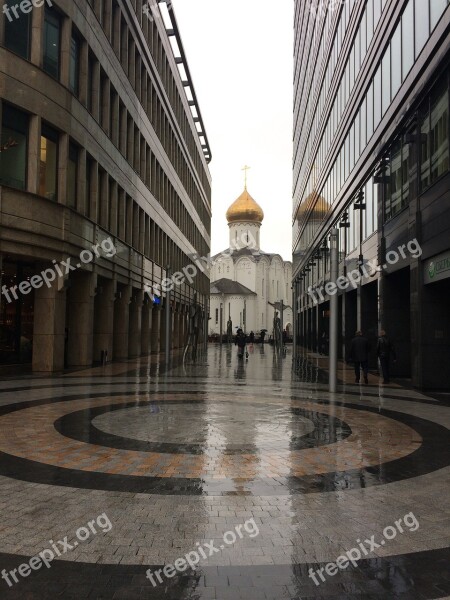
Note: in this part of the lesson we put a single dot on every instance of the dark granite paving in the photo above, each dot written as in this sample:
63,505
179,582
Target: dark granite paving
180,458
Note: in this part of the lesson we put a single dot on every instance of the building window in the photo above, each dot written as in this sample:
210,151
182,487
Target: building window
52,42
74,67
217,316
49,163
439,133
17,32
72,176
13,155
407,39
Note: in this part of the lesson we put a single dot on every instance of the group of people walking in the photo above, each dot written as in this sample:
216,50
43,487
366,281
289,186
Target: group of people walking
359,356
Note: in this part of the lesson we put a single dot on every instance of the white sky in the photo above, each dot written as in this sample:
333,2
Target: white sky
240,57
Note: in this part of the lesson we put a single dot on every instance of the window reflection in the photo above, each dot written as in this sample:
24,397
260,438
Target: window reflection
48,163
13,155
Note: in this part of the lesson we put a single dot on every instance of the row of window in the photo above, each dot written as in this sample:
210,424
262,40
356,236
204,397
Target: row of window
381,91
109,14
418,20
102,100
97,200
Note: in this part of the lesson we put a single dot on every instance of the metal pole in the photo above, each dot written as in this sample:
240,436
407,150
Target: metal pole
334,256
281,316
221,322
168,317
294,319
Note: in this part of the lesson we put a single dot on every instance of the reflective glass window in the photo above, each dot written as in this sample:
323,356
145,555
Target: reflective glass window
13,155
377,98
52,40
422,23
437,8
396,60
386,80
48,163
18,33
439,148
407,39
425,146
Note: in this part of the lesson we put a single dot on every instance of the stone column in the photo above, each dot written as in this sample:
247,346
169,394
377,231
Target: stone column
66,38
81,319
34,153
49,328
37,26
156,321
84,68
134,340
104,319
121,322
145,330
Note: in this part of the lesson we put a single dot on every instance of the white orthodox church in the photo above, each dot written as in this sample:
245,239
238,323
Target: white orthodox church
247,284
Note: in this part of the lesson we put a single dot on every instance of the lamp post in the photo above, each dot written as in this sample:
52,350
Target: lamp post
221,319
168,318
334,266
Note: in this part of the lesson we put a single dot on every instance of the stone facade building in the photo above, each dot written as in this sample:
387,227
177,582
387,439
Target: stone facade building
101,138
247,284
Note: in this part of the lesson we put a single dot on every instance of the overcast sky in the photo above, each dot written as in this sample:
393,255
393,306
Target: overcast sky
240,57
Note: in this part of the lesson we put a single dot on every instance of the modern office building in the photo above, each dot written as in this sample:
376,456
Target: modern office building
371,158
102,137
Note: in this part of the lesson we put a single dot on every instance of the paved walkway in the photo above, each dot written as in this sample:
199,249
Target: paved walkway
251,480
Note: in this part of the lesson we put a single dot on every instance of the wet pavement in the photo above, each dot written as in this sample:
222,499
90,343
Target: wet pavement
251,478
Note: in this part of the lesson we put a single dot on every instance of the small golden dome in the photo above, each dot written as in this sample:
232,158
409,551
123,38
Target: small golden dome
245,209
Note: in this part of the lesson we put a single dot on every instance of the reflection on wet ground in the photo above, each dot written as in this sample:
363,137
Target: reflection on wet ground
179,457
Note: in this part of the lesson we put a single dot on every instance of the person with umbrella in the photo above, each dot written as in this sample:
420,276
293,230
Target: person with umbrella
263,335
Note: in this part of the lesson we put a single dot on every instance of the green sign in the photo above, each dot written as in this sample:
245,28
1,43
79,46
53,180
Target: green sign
438,268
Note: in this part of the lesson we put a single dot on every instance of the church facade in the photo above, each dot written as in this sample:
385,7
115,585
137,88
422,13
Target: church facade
247,284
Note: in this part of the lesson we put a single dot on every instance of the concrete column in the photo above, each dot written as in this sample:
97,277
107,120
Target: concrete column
121,322
134,340
81,319
104,319
84,69
63,161
93,201
114,107
145,328
37,28
96,90
156,332
66,36
49,328
113,207
105,99
81,183
34,153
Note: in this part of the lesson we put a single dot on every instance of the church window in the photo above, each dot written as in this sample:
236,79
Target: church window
217,315
262,288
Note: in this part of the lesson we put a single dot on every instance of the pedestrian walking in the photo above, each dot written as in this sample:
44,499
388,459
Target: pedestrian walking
385,351
359,355
241,342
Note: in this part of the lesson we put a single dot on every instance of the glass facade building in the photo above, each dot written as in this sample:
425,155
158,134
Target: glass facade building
371,107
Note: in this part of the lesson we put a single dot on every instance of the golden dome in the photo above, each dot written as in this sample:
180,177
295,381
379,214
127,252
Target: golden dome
245,209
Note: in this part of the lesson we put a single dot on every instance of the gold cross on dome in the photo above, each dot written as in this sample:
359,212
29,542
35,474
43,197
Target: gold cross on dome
245,169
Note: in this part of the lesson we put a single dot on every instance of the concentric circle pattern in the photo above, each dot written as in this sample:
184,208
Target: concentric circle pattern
185,457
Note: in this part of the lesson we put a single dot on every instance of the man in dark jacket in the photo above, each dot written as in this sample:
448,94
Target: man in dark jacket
385,350
359,355
241,342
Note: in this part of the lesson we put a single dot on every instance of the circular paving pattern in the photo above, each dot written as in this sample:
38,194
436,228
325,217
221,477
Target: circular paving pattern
213,447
